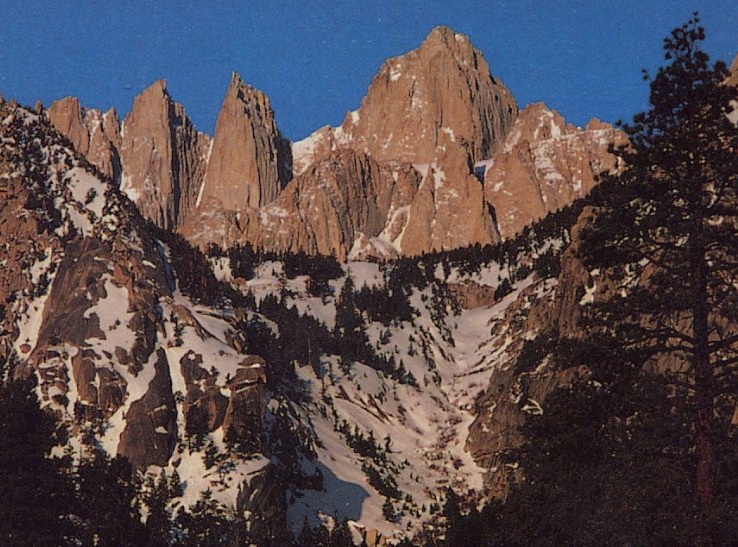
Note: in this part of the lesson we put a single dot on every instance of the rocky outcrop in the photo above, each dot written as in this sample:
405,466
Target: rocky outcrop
352,206
439,108
163,157
449,210
472,295
441,94
323,210
544,165
157,156
93,134
151,421
250,160
244,415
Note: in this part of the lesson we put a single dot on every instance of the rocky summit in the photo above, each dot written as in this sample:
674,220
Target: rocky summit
331,341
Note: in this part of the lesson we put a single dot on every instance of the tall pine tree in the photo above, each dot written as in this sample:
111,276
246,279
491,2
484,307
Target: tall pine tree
642,449
668,224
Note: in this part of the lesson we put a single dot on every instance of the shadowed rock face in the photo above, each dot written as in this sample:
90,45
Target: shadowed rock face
151,422
517,389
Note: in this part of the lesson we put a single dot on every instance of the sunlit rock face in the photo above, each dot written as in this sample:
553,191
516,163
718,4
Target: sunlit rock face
436,157
544,165
441,94
163,157
92,133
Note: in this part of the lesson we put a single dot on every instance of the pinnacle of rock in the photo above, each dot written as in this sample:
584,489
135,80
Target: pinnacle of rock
441,94
93,134
250,161
163,157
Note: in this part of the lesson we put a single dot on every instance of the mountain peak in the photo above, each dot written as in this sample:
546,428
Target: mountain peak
161,155
236,79
444,41
444,36
248,163
239,92
156,89
439,93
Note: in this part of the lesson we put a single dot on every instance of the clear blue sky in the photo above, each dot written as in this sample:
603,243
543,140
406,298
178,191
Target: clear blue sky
316,59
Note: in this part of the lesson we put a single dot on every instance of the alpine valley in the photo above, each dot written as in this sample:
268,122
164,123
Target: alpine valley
319,341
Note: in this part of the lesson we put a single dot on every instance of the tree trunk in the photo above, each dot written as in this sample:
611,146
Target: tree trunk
703,389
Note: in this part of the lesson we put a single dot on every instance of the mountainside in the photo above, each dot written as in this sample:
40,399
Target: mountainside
447,321
387,304
136,344
544,165
94,310
482,171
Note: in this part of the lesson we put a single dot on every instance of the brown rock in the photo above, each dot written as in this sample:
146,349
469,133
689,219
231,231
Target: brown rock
471,295
439,94
93,134
449,210
244,415
545,165
151,425
339,200
250,161
163,157
323,210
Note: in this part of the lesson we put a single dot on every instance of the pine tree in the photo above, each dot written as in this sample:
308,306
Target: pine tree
106,502
36,501
206,523
666,229
349,329
306,537
641,450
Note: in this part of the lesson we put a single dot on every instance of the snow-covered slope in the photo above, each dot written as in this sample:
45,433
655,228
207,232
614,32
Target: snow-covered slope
295,389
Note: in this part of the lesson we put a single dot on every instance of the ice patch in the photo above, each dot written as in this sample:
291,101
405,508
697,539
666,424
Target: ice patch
395,72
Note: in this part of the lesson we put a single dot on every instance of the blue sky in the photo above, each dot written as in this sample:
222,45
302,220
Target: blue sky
316,59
